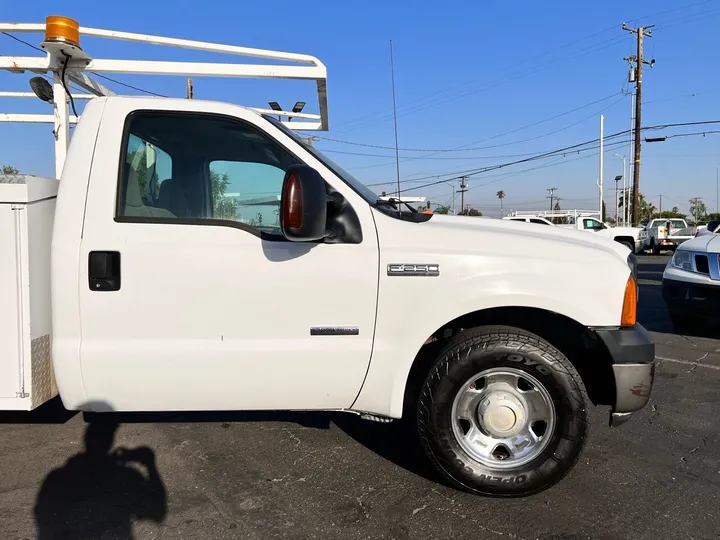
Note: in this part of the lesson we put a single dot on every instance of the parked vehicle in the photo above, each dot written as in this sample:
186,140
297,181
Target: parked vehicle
691,282
713,227
668,234
198,255
529,219
631,237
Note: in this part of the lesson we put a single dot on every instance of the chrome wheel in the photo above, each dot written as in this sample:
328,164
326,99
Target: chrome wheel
503,417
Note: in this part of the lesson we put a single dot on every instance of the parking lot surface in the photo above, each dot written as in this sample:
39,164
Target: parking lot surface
282,475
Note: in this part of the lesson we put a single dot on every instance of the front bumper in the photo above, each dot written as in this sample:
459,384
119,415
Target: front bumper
632,352
691,298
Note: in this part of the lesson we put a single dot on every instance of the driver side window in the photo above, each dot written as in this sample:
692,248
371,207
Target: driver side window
199,169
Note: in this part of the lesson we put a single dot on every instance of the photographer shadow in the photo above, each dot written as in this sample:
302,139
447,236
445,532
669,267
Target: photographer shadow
100,492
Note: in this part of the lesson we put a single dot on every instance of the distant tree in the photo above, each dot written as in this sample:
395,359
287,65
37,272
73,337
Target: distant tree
611,220
139,159
223,207
674,213
9,169
501,195
646,210
715,216
698,210
441,210
473,212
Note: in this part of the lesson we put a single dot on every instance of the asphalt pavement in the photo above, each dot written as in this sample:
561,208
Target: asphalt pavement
298,476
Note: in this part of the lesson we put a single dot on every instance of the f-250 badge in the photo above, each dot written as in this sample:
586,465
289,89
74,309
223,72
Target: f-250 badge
427,270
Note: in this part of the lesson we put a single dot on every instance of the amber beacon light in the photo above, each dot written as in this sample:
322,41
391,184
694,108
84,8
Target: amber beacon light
62,30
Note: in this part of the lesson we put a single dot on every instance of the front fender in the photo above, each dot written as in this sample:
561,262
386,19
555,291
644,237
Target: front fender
408,315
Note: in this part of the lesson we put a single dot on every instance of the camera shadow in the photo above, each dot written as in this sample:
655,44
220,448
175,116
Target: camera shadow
100,492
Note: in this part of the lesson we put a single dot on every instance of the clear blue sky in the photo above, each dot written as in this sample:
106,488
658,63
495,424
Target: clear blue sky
466,73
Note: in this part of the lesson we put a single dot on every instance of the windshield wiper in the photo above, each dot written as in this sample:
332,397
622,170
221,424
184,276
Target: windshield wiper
392,202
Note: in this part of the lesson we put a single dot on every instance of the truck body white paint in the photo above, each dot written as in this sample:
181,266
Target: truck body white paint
174,336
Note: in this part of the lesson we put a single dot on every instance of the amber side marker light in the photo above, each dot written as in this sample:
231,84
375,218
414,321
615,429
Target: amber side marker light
63,30
629,309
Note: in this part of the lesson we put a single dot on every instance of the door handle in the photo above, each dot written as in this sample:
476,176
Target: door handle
104,270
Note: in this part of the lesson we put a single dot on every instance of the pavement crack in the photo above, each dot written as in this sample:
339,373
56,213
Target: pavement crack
293,437
420,509
703,443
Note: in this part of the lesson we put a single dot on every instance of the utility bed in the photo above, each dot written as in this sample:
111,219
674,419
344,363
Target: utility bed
27,208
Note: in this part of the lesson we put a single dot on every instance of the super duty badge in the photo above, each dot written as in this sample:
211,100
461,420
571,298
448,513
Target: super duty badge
428,270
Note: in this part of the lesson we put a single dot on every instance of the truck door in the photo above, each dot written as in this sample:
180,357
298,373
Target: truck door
192,300
595,226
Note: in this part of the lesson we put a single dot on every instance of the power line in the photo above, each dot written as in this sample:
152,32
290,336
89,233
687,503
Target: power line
687,19
536,69
488,147
466,83
460,148
457,174
23,42
568,149
669,10
126,85
596,47
503,165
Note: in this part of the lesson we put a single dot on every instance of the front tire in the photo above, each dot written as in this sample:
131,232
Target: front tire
502,412
629,245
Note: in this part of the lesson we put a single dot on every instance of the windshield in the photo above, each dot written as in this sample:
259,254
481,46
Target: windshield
366,193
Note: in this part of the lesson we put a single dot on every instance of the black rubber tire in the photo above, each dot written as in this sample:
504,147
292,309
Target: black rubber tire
473,351
630,246
654,249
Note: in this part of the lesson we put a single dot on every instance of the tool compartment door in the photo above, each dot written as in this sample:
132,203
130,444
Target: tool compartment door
10,307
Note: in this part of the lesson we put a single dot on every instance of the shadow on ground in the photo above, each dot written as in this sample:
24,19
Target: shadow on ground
51,412
100,492
395,441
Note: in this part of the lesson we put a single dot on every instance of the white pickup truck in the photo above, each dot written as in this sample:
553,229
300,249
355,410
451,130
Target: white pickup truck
200,255
667,233
631,237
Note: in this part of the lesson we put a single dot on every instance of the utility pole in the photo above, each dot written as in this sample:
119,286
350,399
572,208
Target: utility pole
617,200
463,189
660,211
641,32
189,92
600,181
551,191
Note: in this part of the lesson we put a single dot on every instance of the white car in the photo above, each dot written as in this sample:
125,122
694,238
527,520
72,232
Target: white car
691,281
630,237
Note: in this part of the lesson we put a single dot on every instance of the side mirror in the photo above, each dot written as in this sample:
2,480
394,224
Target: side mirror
303,205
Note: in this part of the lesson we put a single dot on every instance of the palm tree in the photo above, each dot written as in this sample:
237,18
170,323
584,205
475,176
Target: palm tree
501,195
